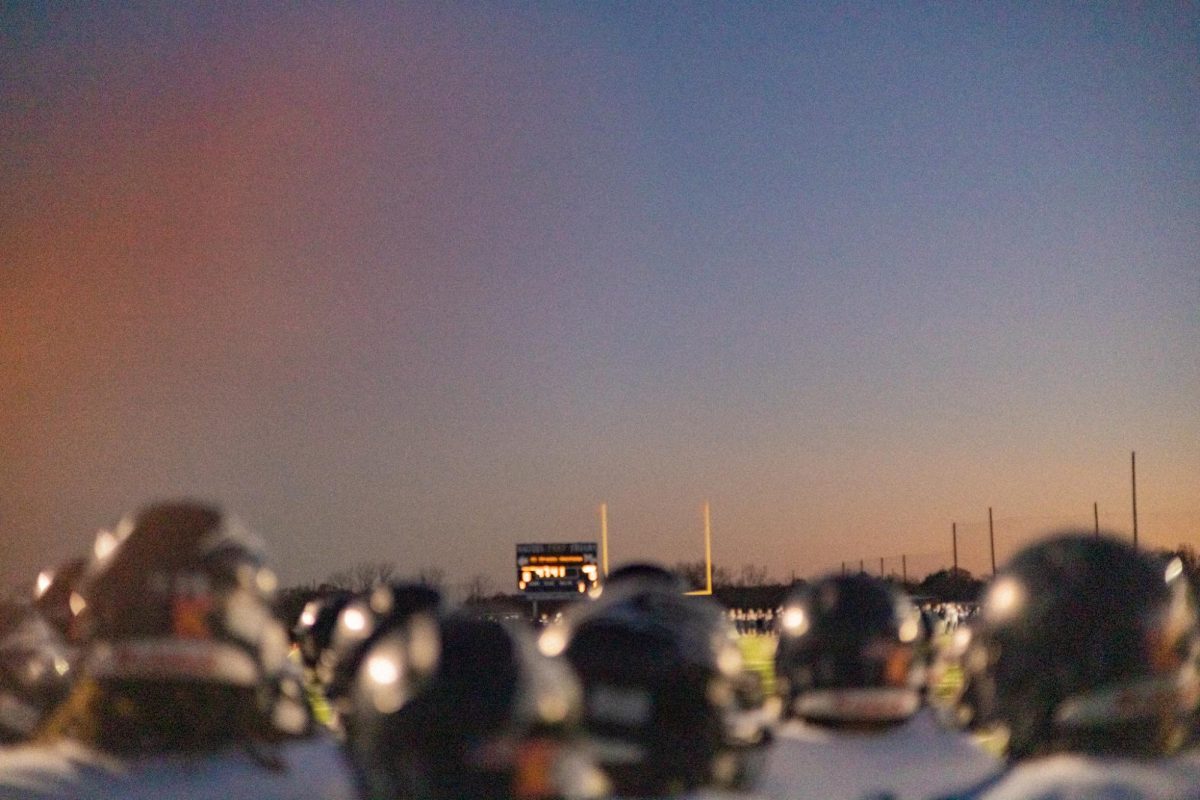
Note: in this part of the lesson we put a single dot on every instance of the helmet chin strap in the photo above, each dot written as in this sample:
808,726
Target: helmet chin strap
173,659
876,704
1149,697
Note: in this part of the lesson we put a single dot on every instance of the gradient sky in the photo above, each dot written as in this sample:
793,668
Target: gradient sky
413,283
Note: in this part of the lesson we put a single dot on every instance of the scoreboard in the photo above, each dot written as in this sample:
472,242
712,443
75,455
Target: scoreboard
557,569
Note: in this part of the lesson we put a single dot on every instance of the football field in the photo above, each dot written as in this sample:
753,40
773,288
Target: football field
758,653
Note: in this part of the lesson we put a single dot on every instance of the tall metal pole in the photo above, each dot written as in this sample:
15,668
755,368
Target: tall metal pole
707,550
904,569
954,538
861,568
843,569
1133,478
604,536
881,567
1096,517
992,539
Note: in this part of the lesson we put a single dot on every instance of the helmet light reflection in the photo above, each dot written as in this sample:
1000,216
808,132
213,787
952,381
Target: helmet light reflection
1005,599
553,641
354,620
795,621
309,615
910,629
383,669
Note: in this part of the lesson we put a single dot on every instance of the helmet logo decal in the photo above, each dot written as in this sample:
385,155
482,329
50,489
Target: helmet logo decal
897,665
534,769
189,616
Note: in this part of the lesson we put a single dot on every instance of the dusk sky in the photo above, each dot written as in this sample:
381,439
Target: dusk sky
412,283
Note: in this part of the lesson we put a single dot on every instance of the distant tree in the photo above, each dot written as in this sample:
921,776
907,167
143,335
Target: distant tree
721,577
950,585
751,575
363,576
343,579
694,573
433,577
478,589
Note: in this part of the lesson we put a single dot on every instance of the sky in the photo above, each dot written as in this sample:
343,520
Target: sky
410,283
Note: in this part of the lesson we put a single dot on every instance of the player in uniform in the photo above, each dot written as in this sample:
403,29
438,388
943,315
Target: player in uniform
669,708
35,671
851,667
397,625
312,635
185,689
1085,659
467,708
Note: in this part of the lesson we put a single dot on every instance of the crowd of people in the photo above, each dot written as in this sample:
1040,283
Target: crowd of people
753,621
158,667
940,617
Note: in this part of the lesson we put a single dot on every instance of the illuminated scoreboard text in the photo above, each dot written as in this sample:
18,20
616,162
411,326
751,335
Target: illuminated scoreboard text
557,568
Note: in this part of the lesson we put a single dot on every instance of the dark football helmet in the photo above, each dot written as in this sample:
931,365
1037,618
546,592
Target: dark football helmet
1085,644
851,652
175,614
668,705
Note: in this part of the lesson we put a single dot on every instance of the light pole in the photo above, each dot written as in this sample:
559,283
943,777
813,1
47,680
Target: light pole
604,537
1133,480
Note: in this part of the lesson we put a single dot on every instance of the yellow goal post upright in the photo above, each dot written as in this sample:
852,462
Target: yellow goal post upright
707,554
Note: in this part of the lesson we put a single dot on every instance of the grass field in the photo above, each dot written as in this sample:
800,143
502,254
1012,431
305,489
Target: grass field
758,653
